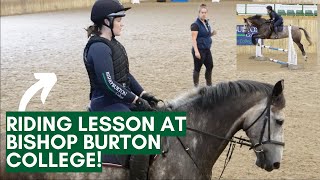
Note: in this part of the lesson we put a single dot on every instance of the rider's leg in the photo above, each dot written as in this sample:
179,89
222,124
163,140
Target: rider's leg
139,165
276,31
276,25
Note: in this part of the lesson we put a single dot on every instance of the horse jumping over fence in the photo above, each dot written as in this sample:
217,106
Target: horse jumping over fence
265,32
292,55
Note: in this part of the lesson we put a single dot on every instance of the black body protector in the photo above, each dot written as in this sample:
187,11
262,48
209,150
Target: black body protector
119,58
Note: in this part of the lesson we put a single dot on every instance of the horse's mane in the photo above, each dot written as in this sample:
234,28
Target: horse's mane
223,91
232,89
257,17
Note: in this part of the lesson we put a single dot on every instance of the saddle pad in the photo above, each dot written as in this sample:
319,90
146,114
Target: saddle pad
121,161
116,160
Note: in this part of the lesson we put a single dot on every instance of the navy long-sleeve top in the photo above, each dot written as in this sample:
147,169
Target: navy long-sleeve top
100,56
274,16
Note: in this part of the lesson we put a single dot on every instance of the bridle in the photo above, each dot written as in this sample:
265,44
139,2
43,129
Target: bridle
239,140
247,25
266,121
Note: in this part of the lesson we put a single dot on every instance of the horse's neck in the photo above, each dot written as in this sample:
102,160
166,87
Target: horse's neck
260,24
207,149
222,120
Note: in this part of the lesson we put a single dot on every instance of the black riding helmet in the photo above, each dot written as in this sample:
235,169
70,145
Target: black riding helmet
269,8
107,9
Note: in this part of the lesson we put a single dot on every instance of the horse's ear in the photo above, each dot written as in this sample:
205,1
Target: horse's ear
278,88
277,98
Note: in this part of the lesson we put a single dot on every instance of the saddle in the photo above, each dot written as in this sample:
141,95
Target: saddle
116,160
279,28
123,161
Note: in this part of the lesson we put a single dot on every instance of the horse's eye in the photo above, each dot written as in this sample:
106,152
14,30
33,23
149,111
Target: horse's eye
279,121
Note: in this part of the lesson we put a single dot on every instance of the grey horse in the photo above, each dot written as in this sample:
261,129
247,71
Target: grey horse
265,32
221,110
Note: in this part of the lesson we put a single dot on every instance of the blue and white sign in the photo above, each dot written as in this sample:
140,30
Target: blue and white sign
245,39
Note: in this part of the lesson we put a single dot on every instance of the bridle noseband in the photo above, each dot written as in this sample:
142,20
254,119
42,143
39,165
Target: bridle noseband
266,121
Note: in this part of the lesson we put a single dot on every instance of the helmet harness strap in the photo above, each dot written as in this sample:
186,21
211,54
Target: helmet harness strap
110,19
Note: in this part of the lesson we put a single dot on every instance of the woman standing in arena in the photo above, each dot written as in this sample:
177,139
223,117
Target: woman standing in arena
201,44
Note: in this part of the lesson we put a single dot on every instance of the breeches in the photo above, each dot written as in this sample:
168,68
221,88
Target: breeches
206,59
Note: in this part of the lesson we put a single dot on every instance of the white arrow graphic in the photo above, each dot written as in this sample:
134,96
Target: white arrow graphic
46,81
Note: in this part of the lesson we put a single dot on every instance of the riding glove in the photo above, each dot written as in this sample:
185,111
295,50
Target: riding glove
152,100
142,105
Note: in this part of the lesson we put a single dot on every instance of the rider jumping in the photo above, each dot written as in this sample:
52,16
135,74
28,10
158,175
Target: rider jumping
275,19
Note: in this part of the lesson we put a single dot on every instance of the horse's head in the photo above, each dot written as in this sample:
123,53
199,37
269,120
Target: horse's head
263,125
247,25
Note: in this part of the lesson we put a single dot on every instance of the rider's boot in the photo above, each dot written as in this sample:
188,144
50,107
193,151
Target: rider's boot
276,32
139,166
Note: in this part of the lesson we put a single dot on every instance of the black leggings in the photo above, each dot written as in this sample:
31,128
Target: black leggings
278,23
206,59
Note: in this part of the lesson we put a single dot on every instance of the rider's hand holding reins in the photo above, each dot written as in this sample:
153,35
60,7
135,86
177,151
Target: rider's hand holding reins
152,100
142,105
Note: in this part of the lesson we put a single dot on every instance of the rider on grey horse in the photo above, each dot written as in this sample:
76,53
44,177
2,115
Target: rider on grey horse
113,87
275,19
